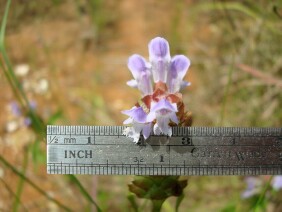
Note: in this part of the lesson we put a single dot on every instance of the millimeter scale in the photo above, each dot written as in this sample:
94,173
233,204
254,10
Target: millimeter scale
104,150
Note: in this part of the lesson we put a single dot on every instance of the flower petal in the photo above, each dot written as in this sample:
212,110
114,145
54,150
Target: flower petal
145,84
277,182
162,127
132,83
147,129
184,84
128,121
129,112
159,57
163,104
157,130
136,64
158,48
174,118
179,66
151,117
130,132
15,108
137,114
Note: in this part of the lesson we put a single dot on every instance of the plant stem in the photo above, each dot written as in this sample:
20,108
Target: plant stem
157,205
21,183
36,187
263,193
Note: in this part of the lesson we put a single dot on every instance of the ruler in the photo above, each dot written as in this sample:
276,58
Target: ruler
103,150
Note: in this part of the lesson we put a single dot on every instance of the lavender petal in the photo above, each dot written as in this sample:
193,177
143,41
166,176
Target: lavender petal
174,118
163,104
137,114
15,108
178,69
184,84
147,130
158,48
27,121
145,84
179,65
132,83
162,126
151,116
277,182
136,64
128,121
159,57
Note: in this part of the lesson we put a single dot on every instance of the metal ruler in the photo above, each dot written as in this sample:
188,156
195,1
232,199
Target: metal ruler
103,150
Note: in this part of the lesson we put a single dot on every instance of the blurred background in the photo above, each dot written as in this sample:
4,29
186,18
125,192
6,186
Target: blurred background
70,62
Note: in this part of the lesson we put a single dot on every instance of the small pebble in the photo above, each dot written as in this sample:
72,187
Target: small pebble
42,86
12,126
22,70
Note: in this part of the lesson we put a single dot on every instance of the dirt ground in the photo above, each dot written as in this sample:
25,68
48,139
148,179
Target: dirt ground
85,69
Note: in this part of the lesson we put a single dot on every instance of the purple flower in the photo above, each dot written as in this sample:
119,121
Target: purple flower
137,119
277,182
178,68
27,121
159,57
164,112
168,75
141,73
32,105
16,110
254,186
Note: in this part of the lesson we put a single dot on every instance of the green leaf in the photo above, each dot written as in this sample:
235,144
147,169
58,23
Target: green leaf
3,24
38,154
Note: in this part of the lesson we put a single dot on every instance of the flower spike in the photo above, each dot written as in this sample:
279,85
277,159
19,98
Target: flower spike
161,106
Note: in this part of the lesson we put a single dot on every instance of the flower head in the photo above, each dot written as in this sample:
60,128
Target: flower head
277,182
161,105
254,186
137,118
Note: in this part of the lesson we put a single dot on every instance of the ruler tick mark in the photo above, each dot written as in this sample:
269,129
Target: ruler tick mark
247,149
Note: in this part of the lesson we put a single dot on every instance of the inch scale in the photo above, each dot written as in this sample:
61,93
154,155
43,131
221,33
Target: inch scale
103,150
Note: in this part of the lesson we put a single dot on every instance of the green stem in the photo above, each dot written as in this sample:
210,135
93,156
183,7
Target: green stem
21,183
36,187
226,92
6,73
10,75
262,195
13,194
157,205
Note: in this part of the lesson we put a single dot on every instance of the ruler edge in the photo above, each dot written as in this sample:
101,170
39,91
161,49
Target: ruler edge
176,131
210,131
